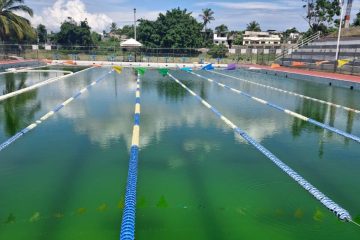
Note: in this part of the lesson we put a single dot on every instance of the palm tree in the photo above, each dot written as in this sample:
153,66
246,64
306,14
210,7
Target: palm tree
221,30
253,26
13,25
113,27
207,16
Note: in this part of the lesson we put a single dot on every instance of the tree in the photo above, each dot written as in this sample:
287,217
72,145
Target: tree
320,14
221,30
41,33
127,30
175,29
287,32
72,33
207,16
238,38
218,51
357,20
13,25
113,27
253,26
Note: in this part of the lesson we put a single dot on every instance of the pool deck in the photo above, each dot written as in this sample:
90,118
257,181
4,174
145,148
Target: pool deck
337,79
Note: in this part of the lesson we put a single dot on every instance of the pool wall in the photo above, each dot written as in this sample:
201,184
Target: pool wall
17,64
309,78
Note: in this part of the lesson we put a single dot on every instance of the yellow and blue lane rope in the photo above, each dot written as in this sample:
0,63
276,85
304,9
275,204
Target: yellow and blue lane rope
287,111
340,212
50,113
128,218
290,93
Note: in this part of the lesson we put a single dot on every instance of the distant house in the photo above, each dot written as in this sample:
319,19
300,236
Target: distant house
261,39
221,39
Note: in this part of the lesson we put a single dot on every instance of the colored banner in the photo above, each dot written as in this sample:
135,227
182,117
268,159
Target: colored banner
118,69
343,62
140,70
297,64
163,71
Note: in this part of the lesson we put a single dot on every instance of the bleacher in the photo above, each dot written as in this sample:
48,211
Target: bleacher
321,54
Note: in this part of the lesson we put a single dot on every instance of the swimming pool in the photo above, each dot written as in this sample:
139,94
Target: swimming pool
66,179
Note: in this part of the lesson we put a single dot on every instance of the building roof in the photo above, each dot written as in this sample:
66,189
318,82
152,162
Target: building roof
131,43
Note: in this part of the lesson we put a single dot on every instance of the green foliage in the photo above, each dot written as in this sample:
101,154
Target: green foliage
42,33
96,38
287,33
218,51
321,13
357,20
253,26
175,29
13,26
222,29
127,30
72,33
238,38
207,16
113,27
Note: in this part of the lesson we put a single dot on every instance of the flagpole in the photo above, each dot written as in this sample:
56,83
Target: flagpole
135,23
340,28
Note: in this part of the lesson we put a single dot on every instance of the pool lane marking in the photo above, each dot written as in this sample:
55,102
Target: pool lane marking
128,219
49,114
341,213
287,111
38,85
291,93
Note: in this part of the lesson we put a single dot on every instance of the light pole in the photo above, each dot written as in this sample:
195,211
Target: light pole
341,2
135,23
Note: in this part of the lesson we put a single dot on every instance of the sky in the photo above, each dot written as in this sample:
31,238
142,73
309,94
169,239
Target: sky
271,14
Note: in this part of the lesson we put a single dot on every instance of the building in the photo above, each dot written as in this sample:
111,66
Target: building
261,39
221,39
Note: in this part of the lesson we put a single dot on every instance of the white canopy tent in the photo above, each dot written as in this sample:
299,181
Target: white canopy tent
130,43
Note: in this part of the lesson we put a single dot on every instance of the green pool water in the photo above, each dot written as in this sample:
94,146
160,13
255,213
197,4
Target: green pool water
197,180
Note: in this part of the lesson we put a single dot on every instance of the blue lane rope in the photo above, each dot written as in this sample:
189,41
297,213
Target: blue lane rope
287,111
128,218
290,93
341,213
49,114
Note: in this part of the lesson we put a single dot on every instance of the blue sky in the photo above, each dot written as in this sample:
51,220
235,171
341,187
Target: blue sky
276,14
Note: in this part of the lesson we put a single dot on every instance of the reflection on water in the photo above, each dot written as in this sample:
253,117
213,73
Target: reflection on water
196,179
19,110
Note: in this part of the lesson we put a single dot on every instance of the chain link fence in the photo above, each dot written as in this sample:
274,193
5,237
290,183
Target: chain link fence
116,53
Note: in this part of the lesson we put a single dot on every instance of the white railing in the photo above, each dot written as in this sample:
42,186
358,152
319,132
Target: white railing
301,43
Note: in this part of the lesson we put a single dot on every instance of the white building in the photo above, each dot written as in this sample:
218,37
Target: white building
261,38
221,39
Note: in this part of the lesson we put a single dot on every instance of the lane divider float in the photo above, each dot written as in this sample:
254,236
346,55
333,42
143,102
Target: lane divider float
340,212
41,84
128,219
291,93
279,108
49,114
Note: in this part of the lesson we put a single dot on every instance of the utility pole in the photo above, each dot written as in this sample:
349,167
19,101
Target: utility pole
135,23
341,2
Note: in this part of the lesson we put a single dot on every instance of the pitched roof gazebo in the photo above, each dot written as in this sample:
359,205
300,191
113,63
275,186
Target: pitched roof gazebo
130,43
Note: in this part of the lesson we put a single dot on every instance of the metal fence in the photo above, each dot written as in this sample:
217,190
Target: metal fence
116,53
322,58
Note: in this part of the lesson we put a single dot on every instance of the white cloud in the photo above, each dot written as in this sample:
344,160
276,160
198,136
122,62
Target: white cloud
53,16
